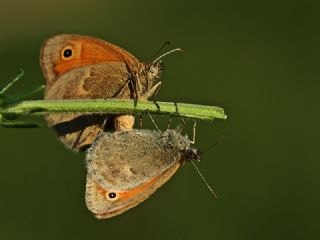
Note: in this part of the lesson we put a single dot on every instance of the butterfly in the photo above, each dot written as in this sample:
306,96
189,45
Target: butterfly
84,67
124,168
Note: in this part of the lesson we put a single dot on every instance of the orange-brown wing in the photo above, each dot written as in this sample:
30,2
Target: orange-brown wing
99,200
98,81
63,53
80,67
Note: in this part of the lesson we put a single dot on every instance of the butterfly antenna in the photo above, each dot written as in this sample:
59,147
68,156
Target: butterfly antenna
20,74
161,48
214,144
167,53
204,180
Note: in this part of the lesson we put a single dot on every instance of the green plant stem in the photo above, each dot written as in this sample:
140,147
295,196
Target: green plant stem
114,106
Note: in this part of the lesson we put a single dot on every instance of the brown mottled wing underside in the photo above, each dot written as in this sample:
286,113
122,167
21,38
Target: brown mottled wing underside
124,162
98,81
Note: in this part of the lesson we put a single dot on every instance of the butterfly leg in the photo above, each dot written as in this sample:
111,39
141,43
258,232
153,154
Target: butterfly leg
140,121
169,123
181,118
136,89
123,88
194,133
154,123
154,92
157,105
77,142
138,84
133,91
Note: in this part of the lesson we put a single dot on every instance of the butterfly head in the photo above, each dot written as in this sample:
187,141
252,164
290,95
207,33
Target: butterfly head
190,154
154,70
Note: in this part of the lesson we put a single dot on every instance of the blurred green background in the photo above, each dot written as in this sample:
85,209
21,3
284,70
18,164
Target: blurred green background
257,59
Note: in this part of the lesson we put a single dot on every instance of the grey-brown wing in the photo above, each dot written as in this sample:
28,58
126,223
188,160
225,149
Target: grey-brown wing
130,158
130,165
98,81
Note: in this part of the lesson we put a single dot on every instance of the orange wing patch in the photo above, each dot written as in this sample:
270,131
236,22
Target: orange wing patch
85,52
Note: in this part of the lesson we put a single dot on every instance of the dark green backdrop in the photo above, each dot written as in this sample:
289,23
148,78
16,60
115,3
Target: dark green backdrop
259,60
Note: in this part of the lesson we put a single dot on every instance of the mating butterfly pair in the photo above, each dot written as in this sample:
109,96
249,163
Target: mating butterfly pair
124,167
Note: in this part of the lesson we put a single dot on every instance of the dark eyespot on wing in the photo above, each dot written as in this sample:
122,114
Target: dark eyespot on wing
67,53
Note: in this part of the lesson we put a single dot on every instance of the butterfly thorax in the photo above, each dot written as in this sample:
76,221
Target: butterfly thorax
181,144
146,79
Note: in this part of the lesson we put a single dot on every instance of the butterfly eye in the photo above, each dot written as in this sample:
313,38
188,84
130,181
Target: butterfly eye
152,69
67,53
111,196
